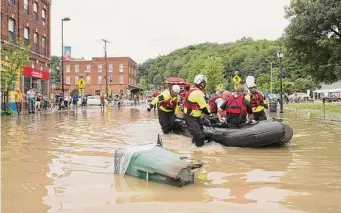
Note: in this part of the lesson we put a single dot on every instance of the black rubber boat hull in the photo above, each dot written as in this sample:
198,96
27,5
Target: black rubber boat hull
271,132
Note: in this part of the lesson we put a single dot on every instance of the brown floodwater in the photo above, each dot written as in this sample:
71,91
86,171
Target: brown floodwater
63,162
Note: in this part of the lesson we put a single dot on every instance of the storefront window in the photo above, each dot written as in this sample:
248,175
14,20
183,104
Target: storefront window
27,84
36,84
44,87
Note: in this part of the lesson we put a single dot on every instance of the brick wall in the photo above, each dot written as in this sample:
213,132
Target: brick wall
22,20
120,69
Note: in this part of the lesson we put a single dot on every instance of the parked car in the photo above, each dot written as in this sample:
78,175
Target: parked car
94,100
332,98
273,97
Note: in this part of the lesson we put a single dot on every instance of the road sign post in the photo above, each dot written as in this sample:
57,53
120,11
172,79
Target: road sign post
81,85
236,80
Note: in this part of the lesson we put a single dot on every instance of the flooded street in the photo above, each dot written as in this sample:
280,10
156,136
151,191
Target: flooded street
63,162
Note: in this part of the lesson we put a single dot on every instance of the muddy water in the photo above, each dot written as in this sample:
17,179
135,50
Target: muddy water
63,162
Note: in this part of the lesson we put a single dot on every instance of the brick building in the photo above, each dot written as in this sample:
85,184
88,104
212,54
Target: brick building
29,20
122,75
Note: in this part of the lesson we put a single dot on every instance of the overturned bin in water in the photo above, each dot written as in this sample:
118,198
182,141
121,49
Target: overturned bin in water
153,163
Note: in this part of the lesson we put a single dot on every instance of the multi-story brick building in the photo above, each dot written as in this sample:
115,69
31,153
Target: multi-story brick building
29,20
122,75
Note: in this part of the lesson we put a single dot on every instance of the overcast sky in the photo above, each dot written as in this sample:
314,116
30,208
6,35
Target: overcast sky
144,29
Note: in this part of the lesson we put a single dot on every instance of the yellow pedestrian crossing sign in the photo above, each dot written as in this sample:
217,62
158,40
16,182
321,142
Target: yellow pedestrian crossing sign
220,86
81,83
236,79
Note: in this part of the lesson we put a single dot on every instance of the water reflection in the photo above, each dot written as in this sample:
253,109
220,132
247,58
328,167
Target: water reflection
63,162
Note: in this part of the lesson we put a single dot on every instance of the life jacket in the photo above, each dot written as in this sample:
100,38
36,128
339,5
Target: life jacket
170,103
188,104
236,106
212,103
255,99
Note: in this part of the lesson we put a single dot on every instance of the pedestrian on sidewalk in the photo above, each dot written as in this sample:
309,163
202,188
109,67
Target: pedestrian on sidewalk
18,101
75,100
102,101
31,101
46,102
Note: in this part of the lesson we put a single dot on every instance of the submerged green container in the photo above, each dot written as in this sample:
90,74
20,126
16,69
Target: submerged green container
159,165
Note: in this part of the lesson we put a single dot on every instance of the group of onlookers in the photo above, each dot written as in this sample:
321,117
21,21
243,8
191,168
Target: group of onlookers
33,101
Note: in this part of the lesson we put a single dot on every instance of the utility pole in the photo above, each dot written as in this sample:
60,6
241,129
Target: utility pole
106,67
64,19
271,77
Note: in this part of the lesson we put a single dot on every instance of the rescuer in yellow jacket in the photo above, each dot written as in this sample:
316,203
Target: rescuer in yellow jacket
194,105
258,102
169,101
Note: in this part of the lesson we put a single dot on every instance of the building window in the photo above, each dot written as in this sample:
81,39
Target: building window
11,29
121,79
12,2
26,36
110,79
99,68
88,68
68,68
76,79
120,67
67,80
111,68
26,7
97,92
99,79
43,16
43,44
36,43
35,10
88,79
77,68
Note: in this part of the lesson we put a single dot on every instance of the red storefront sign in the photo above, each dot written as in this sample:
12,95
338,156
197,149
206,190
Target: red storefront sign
35,73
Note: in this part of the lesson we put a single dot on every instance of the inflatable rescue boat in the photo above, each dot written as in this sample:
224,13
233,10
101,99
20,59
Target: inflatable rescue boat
271,132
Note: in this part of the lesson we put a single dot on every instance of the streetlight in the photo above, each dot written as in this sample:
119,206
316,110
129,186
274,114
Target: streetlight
280,55
64,19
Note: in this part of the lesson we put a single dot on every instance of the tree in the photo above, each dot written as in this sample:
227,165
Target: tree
157,80
197,67
55,68
15,56
314,36
214,72
247,56
166,74
143,83
303,84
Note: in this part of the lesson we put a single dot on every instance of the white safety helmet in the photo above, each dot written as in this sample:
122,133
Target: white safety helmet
176,89
250,85
198,79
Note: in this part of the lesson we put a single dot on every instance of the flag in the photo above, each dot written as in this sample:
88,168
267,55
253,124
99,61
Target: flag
67,53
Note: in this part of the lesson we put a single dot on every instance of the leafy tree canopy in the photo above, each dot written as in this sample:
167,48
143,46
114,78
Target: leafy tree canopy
313,37
219,62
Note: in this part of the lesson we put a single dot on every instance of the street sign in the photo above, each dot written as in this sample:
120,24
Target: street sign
81,90
81,83
220,86
236,79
